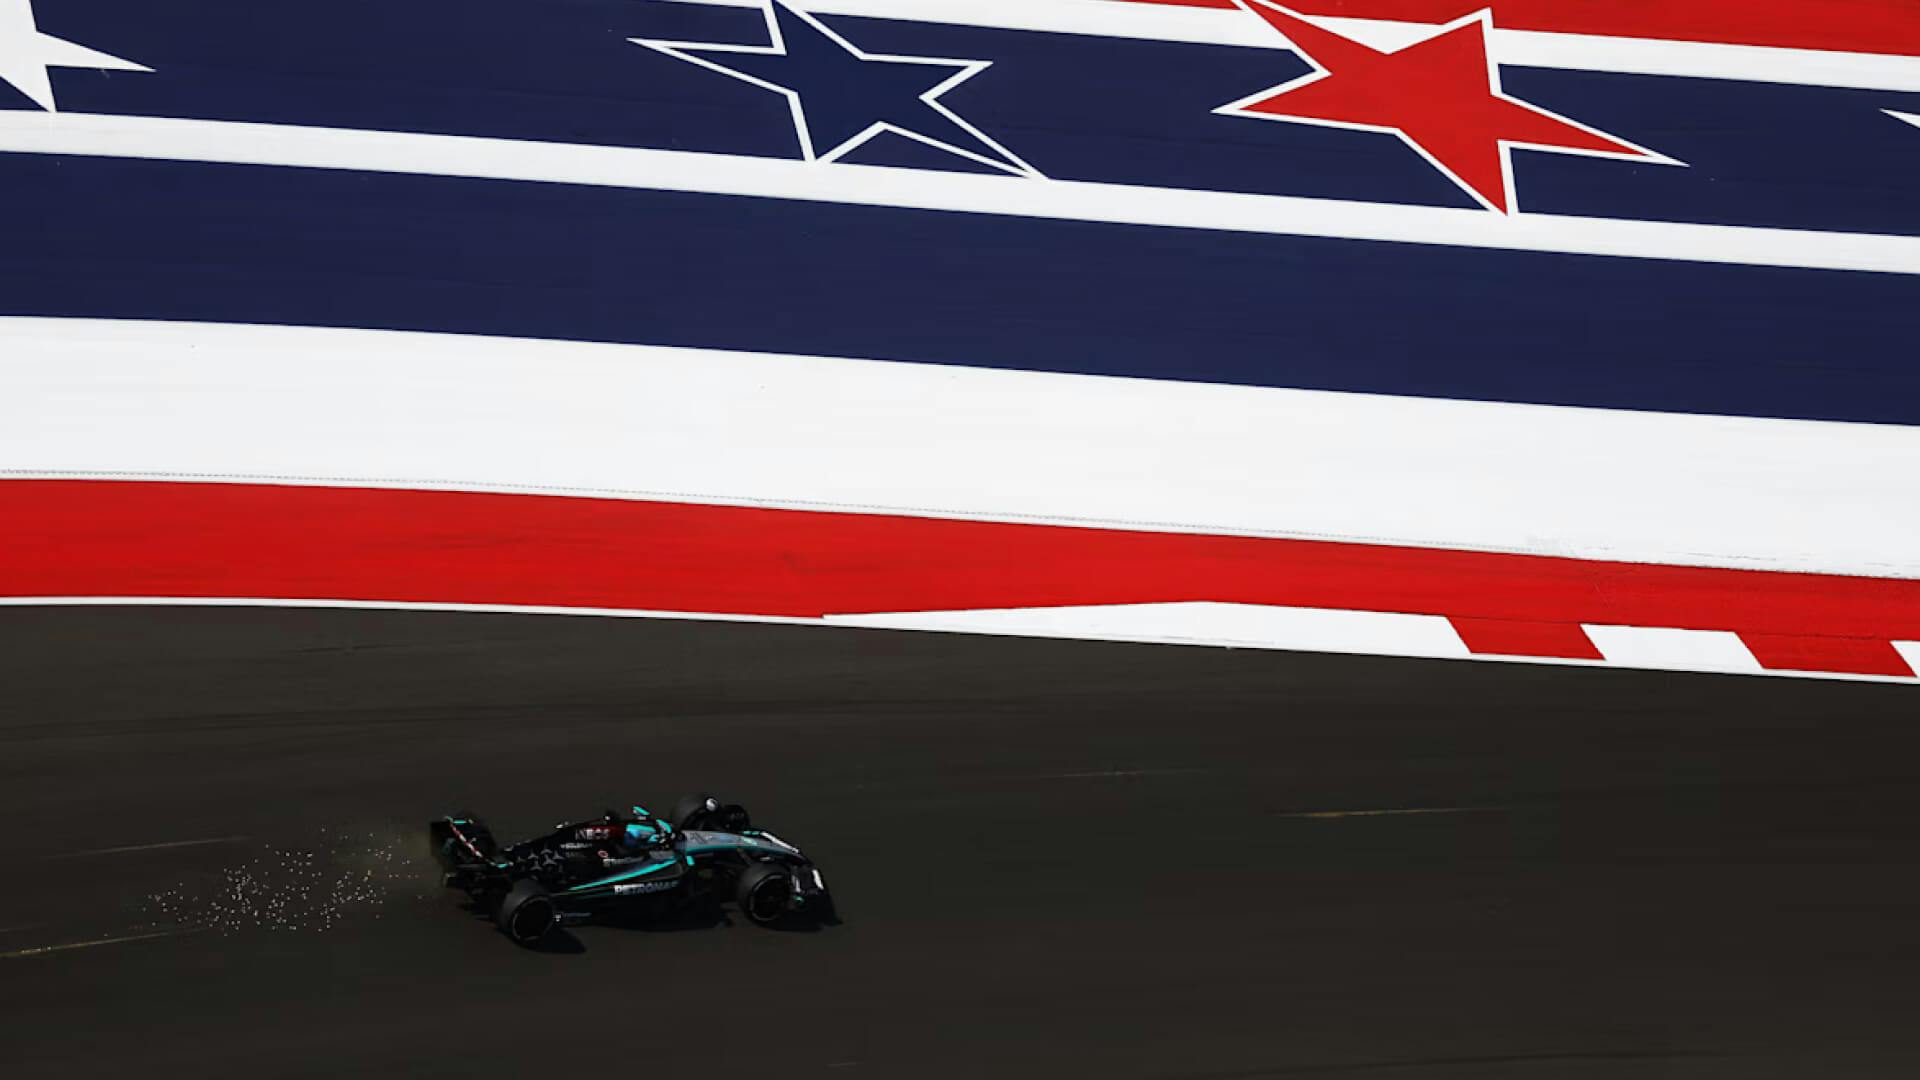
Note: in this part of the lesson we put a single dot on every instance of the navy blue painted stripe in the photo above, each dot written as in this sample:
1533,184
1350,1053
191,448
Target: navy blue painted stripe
161,240
1103,109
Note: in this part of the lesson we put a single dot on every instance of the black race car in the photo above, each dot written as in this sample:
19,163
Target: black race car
633,863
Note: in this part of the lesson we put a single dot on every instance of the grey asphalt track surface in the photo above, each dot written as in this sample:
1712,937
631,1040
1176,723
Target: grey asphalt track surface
1053,858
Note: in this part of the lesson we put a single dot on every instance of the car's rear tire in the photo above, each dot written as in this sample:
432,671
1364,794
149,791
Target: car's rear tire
526,913
765,893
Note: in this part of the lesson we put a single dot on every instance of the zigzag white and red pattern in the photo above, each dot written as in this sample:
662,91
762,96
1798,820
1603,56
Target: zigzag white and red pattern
210,542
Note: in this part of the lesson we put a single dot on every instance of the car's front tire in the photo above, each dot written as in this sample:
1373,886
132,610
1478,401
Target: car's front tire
765,893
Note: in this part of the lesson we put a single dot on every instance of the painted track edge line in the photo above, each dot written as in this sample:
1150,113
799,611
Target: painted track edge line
845,622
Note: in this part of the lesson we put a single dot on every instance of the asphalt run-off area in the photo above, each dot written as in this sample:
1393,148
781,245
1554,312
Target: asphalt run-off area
1052,858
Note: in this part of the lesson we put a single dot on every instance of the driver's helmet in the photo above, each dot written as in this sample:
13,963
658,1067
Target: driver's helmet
643,834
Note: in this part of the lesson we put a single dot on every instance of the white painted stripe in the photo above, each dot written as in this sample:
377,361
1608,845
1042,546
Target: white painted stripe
1251,626
1411,811
381,408
1673,650
1120,774
1689,59
834,182
1908,117
1352,641
165,845
1517,48
94,944
357,604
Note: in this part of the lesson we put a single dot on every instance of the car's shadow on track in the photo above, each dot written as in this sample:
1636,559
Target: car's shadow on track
710,916
562,941
696,917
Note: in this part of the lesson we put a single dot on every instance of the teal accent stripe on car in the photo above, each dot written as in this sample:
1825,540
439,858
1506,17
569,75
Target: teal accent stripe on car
702,849
626,876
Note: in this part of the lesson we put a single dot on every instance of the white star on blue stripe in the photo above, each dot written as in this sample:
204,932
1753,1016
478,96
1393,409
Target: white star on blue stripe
842,98
26,54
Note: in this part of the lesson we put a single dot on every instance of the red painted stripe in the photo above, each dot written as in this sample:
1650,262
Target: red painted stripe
106,538
1867,26
1505,637
1857,656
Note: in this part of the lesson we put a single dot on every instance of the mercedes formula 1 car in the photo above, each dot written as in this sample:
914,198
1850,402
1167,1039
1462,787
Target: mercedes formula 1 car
630,863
